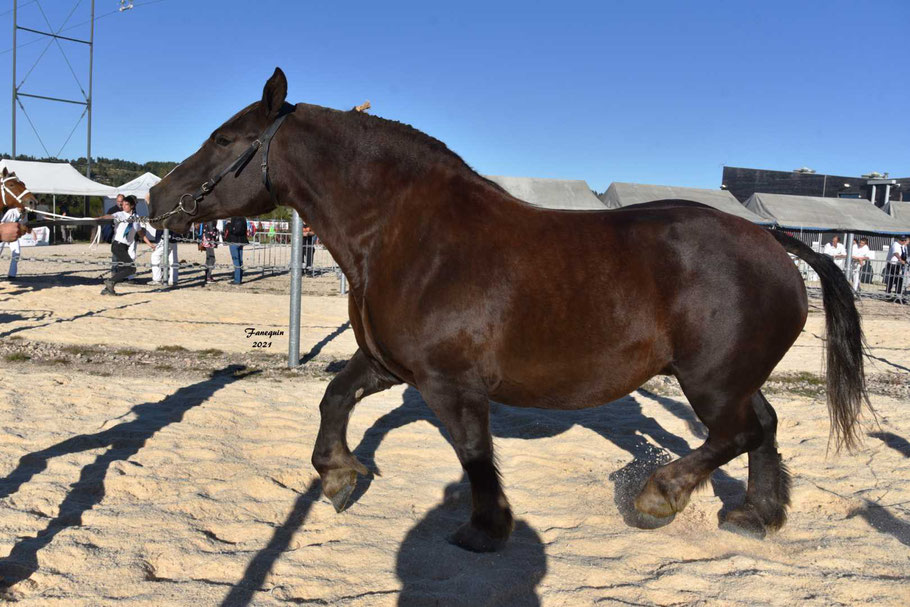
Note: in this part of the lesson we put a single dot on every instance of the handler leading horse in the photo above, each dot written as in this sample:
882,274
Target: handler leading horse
448,294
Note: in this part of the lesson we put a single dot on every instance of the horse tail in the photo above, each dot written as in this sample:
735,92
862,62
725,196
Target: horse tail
845,378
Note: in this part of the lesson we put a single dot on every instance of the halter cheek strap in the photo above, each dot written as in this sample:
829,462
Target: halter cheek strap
263,143
6,190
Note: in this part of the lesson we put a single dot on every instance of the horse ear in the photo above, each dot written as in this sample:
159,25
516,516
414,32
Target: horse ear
5,172
274,93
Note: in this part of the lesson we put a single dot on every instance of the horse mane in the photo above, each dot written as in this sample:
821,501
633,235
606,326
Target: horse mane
406,138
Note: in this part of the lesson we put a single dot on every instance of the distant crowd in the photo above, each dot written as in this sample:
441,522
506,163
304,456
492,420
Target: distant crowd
894,273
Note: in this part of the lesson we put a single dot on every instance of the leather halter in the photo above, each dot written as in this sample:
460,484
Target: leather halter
263,143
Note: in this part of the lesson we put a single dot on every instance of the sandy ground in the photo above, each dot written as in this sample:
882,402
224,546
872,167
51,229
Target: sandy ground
131,474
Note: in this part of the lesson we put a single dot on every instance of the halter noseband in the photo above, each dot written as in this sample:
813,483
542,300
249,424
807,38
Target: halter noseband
263,142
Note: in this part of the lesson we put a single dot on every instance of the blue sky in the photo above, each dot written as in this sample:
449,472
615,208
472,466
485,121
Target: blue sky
652,92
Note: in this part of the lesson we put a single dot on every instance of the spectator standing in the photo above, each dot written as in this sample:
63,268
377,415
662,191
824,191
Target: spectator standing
133,247
126,230
220,227
835,250
157,256
897,263
860,256
309,245
107,231
66,231
208,240
12,215
235,235
110,229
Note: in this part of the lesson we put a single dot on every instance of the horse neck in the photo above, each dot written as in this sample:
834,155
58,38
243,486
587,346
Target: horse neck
351,195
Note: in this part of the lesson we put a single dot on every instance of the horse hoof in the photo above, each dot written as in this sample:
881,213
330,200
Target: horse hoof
338,486
471,538
652,502
642,520
744,521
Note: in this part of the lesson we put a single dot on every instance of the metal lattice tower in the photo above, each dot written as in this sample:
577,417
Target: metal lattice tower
54,37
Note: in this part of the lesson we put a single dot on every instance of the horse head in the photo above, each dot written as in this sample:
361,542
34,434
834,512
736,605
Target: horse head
188,193
13,192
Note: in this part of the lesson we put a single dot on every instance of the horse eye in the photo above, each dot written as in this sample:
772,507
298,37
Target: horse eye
222,141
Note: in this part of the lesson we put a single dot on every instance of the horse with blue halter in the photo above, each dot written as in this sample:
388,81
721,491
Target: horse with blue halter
448,294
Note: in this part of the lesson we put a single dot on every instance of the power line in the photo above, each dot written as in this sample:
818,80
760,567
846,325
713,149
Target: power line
116,10
4,14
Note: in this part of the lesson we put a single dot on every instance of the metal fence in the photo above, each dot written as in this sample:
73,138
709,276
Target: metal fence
876,277
273,252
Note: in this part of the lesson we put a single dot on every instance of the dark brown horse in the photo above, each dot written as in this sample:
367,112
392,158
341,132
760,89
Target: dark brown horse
469,294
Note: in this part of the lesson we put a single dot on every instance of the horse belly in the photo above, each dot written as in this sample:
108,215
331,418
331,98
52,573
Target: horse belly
581,376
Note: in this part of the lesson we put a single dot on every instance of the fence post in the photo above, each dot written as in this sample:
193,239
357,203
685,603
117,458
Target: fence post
294,324
848,260
343,286
166,249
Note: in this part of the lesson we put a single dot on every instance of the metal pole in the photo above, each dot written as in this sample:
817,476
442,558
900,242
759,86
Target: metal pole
849,259
54,211
88,143
15,26
294,324
166,249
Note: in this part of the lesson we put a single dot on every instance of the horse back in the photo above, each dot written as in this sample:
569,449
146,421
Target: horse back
531,303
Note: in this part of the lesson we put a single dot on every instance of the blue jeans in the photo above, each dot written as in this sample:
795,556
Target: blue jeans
237,258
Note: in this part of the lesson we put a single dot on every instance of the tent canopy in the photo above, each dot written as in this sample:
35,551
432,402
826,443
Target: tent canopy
626,194
58,178
565,194
140,186
819,214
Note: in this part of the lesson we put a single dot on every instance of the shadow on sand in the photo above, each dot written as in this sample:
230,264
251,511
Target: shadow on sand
511,576
256,571
426,561
123,441
622,422
435,572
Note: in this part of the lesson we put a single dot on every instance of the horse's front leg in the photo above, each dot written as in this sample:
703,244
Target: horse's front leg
332,458
466,416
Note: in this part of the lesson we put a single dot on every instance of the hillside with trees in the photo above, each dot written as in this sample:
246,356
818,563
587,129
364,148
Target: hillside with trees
114,172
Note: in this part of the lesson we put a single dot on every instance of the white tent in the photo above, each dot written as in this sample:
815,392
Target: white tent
56,178
814,213
563,194
138,187
626,194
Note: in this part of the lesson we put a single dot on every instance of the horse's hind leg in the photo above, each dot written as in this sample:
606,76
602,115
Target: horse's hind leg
768,494
466,416
733,429
332,457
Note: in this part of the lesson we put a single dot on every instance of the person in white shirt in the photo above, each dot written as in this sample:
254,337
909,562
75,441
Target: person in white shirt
12,215
860,256
126,229
897,263
835,250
